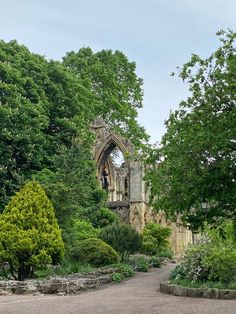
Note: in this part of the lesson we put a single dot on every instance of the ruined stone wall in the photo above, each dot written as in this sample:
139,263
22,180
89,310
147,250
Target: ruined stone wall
130,200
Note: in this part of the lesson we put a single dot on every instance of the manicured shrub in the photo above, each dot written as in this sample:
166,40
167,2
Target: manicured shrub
95,252
155,238
122,237
78,231
29,234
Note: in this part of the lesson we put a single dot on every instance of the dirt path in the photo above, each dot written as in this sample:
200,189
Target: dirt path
139,295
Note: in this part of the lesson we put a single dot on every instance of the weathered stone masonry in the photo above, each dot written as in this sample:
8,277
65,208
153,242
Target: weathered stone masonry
127,193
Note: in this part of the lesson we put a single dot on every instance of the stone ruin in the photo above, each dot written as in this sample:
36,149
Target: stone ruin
127,192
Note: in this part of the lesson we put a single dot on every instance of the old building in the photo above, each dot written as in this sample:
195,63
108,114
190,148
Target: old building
127,192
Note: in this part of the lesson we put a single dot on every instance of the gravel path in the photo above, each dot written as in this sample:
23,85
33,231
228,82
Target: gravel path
139,295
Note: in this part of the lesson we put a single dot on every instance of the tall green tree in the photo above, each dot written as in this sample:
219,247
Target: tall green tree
72,186
116,86
45,104
194,169
42,107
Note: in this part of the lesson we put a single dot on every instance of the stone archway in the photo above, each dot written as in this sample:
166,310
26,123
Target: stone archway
127,193
112,176
124,184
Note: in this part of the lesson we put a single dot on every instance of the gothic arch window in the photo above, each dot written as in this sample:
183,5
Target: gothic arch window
113,169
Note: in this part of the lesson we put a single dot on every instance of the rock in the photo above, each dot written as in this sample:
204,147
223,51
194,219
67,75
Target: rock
194,292
211,293
227,294
179,291
176,290
4,292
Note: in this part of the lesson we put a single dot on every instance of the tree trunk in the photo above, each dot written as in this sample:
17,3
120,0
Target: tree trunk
24,272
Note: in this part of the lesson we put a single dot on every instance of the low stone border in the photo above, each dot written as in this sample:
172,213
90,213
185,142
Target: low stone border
206,293
60,285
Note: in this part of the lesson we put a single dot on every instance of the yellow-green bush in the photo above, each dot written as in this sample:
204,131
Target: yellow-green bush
29,234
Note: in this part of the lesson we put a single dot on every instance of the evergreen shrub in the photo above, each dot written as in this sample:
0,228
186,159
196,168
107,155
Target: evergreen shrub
30,237
122,237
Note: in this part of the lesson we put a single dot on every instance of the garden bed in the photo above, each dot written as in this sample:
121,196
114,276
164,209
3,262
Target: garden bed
76,283
60,285
207,293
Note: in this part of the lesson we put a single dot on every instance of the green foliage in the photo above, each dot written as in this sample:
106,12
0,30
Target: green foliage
192,267
155,261
66,267
95,252
117,88
155,238
142,265
139,262
125,270
78,231
43,272
221,261
29,234
122,237
193,169
73,187
43,106
47,104
167,253
83,230
103,217
118,277
208,284
69,267
213,258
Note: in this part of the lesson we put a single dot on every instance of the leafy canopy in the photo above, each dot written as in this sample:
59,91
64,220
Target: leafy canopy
115,85
193,171
42,107
45,104
72,186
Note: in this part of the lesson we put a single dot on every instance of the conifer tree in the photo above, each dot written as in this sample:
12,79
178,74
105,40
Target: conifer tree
29,234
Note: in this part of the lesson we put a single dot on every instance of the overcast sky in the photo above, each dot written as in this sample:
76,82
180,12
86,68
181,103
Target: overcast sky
158,35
